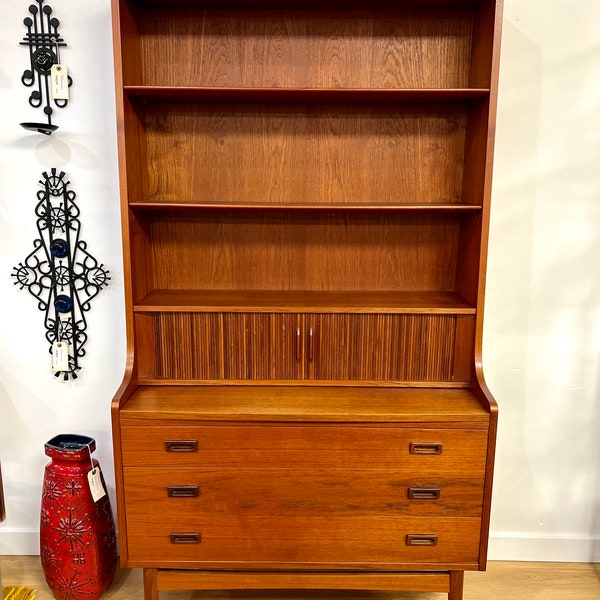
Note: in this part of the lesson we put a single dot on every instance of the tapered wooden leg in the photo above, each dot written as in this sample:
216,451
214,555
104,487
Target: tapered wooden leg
457,579
150,589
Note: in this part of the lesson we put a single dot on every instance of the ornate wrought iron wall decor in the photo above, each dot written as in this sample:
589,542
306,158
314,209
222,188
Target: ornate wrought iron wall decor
44,44
60,273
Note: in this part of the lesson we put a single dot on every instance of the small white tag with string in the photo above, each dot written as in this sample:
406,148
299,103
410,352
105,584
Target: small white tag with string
60,82
95,481
60,352
59,78
60,356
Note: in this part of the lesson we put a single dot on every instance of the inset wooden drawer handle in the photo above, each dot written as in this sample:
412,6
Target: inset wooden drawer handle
185,538
424,493
183,491
181,445
421,540
425,448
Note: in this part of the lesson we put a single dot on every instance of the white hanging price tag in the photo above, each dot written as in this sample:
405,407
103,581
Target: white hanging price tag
60,356
60,82
95,481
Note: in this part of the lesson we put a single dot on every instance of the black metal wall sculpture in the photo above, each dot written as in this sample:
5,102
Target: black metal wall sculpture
60,273
45,69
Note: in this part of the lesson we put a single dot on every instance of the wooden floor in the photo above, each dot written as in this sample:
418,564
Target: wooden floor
502,581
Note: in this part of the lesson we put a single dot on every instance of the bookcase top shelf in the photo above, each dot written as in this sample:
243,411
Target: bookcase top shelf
345,5
305,95
457,207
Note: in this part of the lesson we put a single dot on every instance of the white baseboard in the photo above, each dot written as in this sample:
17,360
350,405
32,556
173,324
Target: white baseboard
509,547
522,547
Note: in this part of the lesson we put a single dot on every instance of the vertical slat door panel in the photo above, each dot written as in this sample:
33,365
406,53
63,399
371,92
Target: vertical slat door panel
261,346
254,346
188,346
381,347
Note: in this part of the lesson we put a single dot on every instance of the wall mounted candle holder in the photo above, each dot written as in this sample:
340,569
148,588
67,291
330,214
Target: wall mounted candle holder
61,274
46,73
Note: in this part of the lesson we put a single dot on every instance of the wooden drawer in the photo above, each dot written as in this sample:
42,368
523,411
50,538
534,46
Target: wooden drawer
235,540
242,493
257,446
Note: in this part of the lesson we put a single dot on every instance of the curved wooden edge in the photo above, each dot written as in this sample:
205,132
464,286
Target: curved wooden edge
485,397
125,390
126,386
479,385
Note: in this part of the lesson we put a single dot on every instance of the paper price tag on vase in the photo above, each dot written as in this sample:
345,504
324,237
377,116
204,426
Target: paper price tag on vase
60,82
95,481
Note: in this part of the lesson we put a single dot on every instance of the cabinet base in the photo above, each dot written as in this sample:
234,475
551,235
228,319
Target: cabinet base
155,580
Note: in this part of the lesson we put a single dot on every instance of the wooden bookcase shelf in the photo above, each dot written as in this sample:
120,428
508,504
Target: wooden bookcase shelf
291,95
456,207
187,404
314,153
305,192
303,301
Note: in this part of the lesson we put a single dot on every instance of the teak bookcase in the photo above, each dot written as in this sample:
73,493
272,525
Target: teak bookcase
305,197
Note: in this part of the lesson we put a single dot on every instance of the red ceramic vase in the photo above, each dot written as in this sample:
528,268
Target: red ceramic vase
77,535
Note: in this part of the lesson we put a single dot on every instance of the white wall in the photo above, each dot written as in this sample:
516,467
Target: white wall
542,331
34,405
542,327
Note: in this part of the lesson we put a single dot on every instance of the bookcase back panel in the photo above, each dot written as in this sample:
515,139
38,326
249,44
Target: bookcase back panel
302,250
305,153
306,49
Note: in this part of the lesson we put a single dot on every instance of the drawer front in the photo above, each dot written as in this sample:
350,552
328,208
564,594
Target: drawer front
220,540
240,493
450,450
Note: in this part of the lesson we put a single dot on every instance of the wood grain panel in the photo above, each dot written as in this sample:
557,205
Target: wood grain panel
189,346
301,301
278,48
464,343
303,251
402,406
127,43
304,153
145,334
463,451
401,347
484,40
261,346
283,491
171,579
312,4
328,347
427,348
301,540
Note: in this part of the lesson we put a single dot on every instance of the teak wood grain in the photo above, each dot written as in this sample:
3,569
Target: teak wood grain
357,302
313,347
462,451
301,251
304,153
260,542
305,196
300,491
441,407
326,49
